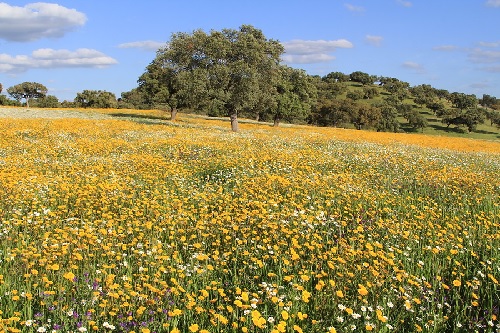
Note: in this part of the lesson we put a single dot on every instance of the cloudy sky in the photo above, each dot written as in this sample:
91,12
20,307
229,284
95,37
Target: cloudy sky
73,45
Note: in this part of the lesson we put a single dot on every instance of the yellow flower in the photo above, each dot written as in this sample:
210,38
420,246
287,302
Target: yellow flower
301,315
305,296
284,315
339,293
260,322
457,283
332,330
69,276
194,328
281,327
380,316
362,290
297,329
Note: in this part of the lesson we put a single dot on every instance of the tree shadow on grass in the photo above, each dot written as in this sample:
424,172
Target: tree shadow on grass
141,118
135,115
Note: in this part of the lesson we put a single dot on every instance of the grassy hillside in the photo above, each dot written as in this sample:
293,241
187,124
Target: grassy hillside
137,224
484,131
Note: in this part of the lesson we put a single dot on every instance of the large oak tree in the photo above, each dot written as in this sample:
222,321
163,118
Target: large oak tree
229,71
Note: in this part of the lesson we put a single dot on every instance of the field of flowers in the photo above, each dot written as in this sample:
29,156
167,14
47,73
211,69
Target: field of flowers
113,225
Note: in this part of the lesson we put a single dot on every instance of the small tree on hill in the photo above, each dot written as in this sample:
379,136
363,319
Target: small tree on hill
27,91
361,77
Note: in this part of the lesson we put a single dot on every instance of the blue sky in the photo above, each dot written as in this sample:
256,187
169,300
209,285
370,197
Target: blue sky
73,45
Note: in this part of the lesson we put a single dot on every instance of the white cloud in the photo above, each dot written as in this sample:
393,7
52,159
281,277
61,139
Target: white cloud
312,51
481,56
489,44
37,20
374,40
445,48
147,45
298,46
405,3
353,8
414,66
49,58
493,3
307,58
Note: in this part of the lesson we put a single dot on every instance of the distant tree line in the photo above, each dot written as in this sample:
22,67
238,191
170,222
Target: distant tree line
237,73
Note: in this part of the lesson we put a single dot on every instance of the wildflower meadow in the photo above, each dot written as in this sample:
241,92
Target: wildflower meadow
116,225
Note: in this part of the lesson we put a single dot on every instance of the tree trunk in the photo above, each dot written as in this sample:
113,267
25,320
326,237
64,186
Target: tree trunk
276,121
173,114
234,122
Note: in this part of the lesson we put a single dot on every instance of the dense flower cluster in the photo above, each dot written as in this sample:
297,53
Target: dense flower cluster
109,225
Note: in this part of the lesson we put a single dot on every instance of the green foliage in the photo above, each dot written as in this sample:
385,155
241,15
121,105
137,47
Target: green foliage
388,121
364,116
397,88
295,95
487,101
370,92
27,91
331,112
48,101
355,95
361,77
469,118
463,101
336,77
134,99
100,99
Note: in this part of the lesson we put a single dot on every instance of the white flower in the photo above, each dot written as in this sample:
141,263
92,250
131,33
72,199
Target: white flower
41,329
340,319
82,329
341,307
29,322
356,315
270,319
